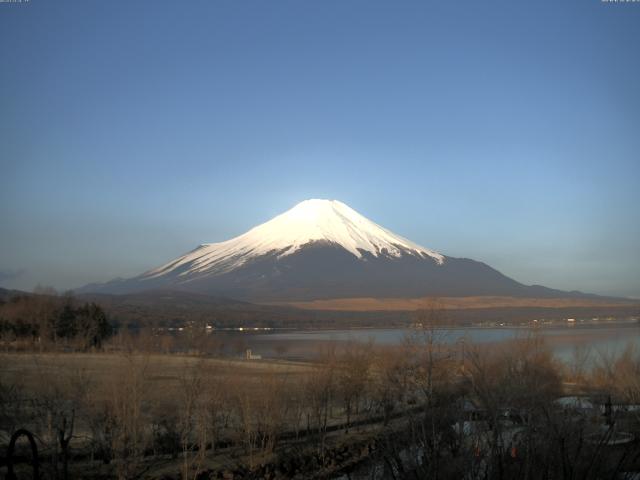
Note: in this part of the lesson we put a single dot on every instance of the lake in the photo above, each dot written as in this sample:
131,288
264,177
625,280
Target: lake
606,338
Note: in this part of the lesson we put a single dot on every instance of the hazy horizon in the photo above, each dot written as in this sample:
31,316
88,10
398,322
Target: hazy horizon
502,132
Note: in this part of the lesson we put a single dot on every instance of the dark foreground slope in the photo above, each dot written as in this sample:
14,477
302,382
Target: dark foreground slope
323,271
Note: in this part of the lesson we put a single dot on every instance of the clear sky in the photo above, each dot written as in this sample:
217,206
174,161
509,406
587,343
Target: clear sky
504,131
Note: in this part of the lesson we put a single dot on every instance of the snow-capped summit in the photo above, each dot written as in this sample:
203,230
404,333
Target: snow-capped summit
309,221
333,221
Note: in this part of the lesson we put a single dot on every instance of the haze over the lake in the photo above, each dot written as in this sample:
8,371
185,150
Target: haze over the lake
131,133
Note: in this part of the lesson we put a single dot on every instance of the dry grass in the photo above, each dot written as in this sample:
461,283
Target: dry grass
406,304
163,372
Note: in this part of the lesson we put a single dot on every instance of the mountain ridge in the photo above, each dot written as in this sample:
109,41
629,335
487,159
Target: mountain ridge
323,249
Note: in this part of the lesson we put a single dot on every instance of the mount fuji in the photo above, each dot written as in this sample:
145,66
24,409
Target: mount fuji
323,249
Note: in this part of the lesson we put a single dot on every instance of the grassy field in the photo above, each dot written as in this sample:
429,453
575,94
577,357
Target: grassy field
158,386
164,373
404,304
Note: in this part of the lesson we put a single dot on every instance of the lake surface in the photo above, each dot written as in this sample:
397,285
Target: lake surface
563,340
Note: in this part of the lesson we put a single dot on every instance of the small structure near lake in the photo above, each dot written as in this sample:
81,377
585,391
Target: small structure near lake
250,356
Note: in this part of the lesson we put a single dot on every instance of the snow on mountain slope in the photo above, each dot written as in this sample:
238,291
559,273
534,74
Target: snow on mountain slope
309,221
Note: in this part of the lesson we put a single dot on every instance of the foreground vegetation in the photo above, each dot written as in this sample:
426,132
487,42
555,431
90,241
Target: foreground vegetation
45,320
128,406
420,411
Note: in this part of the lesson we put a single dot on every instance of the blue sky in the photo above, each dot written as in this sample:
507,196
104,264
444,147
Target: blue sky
507,132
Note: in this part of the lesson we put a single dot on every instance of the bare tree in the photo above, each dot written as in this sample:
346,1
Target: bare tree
190,418
390,380
353,376
320,388
580,358
426,346
124,422
56,406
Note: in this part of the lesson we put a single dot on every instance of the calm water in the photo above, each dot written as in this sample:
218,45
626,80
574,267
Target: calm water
602,338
